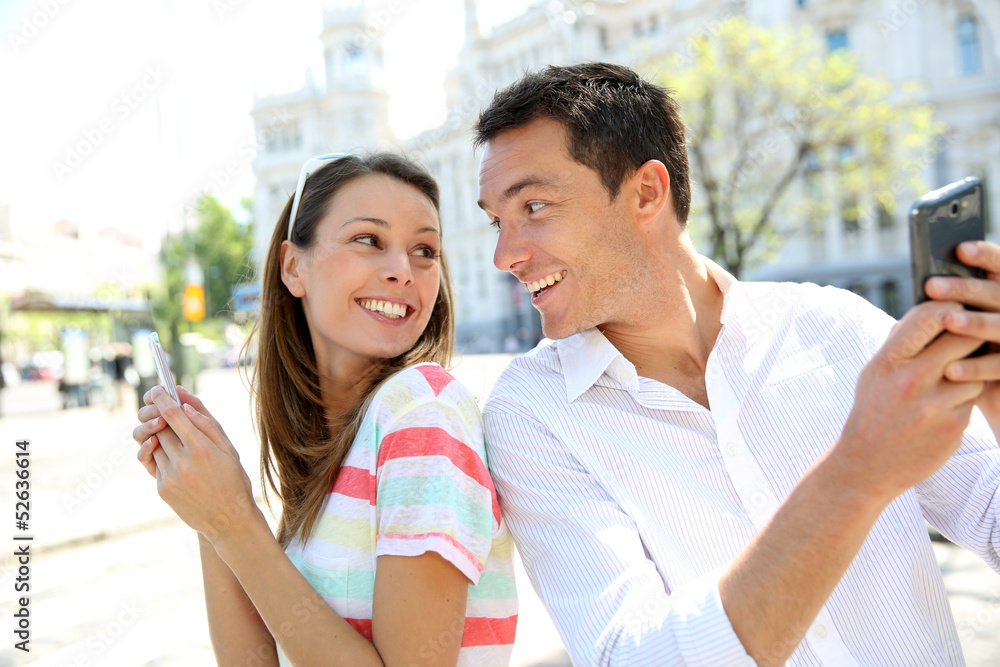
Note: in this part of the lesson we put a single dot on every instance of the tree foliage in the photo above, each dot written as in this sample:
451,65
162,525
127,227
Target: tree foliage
220,245
782,134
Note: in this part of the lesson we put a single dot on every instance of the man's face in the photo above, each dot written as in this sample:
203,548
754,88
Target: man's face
559,234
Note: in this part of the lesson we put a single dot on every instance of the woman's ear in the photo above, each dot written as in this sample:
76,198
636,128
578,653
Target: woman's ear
291,262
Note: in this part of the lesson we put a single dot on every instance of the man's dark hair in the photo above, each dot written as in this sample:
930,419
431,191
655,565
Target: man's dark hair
615,122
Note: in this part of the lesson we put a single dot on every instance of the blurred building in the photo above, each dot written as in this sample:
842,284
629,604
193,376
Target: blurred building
64,270
347,111
951,46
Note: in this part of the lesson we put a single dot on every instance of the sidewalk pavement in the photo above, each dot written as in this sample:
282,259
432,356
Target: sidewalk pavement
115,577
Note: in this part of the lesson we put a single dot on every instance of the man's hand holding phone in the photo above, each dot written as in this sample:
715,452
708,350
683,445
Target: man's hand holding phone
951,262
915,397
983,324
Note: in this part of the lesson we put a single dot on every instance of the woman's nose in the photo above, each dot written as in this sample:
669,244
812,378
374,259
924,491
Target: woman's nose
397,268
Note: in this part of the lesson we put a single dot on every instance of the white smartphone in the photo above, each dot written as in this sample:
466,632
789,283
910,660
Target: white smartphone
162,367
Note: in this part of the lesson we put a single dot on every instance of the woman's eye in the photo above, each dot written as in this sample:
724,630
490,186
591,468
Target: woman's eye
495,224
535,206
428,252
367,239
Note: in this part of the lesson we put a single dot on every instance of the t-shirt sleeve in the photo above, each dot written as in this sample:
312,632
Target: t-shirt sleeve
433,491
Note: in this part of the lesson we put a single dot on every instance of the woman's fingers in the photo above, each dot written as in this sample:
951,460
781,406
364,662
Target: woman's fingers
160,463
145,454
142,432
187,397
147,412
169,442
190,427
171,411
211,429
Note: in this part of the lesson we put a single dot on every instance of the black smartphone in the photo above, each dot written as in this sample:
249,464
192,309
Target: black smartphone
939,221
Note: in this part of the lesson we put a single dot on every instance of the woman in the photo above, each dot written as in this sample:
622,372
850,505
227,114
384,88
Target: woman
389,518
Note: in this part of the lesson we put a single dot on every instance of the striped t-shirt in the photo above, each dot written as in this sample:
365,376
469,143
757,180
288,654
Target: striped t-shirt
415,480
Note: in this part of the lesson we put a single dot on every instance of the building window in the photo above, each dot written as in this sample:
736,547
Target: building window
637,27
654,22
602,33
291,137
800,3
890,298
277,198
845,155
859,288
836,40
849,214
284,138
884,219
354,59
812,186
968,47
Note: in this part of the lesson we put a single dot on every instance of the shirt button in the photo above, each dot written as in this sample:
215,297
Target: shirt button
731,449
820,631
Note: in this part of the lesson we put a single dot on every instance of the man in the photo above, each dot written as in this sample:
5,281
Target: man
708,472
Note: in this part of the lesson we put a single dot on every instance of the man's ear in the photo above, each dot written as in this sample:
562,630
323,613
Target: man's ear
291,262
652,186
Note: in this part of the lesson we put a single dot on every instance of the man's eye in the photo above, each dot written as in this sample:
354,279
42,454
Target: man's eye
535,206
495,224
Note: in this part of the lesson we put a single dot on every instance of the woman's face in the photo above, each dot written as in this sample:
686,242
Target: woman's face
369,282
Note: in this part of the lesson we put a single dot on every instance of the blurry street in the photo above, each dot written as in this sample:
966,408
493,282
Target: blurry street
115,578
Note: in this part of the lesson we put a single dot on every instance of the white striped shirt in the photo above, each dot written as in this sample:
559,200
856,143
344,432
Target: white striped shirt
627,499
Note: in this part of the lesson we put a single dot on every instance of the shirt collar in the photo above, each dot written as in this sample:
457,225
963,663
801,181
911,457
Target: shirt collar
728,285
588,355
585,357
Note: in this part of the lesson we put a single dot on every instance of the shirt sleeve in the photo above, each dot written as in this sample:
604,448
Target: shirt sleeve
433,491
961,499
587,562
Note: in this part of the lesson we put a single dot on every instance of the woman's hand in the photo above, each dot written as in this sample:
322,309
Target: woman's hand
197,469
150,424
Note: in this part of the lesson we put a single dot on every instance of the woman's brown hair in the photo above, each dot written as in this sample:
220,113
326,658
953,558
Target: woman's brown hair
294,430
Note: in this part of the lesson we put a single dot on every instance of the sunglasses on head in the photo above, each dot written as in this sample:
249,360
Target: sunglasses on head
312,165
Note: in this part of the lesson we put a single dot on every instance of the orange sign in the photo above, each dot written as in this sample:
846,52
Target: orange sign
194,303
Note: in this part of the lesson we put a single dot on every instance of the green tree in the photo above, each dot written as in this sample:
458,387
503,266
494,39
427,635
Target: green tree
781,134
220,245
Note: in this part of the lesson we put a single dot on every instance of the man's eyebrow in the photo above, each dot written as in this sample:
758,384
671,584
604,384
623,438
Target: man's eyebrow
525,182
382,223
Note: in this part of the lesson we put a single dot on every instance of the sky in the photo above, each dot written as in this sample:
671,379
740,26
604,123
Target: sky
117,113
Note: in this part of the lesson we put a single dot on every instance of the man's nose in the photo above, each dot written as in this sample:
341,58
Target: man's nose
512,249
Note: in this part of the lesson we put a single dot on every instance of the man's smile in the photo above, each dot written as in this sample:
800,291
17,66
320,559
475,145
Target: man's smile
536,287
